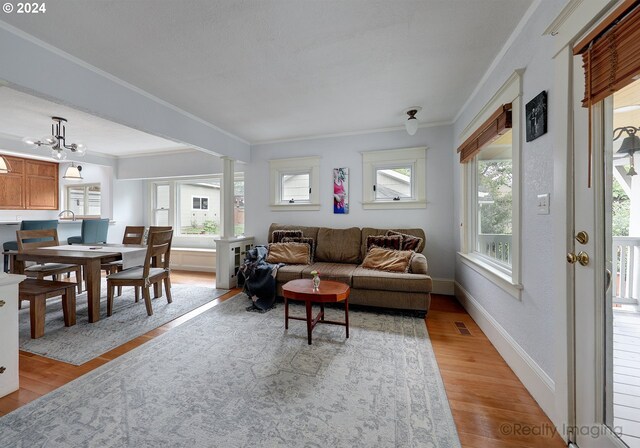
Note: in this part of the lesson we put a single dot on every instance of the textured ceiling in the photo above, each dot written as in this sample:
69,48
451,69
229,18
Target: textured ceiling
275,69
23,115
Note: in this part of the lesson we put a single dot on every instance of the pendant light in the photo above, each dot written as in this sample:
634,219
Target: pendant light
73,172
4,166
412,122
629,146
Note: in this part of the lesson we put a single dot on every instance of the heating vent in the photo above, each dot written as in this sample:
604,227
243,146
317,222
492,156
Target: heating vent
462,328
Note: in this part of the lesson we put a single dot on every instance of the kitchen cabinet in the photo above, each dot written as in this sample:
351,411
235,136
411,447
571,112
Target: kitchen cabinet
30,185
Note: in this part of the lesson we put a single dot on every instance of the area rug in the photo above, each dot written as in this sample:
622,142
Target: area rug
230,378
84,341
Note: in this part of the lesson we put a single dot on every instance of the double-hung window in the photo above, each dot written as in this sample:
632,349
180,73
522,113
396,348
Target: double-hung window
84,200
490,161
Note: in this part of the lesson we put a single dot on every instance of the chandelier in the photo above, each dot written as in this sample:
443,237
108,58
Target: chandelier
58,141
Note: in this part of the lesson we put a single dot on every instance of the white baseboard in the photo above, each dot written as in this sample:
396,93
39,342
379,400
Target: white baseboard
443,286
537,382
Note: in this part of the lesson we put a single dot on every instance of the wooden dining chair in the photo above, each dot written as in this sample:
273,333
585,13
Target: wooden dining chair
157,288
132,235
35,239
159,245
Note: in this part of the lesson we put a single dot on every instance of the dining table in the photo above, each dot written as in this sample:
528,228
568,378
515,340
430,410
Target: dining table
90,257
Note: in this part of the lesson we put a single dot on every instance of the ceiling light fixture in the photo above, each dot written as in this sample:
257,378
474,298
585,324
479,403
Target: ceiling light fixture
73,172
412,122
4,165
57,141
629,146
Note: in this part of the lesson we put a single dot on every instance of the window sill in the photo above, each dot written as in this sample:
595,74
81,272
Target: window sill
492,274
390,205
299,206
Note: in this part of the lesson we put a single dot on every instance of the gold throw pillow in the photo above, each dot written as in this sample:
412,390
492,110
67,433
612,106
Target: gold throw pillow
389,260
289,253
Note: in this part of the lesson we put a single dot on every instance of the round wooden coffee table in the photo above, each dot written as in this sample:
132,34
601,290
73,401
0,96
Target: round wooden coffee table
329,292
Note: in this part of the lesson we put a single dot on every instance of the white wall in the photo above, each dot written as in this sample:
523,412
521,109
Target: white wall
336,152
530,320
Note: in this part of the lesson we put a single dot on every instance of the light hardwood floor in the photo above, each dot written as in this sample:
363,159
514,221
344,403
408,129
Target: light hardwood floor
484,394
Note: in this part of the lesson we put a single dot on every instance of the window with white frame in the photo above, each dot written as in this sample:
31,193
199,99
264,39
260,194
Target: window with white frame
394,178
161,204
84,200
200,203
490,172
294,183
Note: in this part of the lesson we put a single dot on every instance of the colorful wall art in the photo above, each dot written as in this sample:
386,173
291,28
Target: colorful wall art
341,191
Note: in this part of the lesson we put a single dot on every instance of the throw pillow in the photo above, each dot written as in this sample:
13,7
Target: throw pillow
409,242
388,242
310,241
388,260
289,253
277,235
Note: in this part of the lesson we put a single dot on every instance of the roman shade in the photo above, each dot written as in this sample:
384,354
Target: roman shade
497,124
611,53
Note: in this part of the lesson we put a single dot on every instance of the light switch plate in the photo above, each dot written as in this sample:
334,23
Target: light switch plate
543,204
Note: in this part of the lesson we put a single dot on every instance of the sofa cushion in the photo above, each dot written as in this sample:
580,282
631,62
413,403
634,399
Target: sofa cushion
388,242
381,259
409,242
289,253
366,231
278,235
390,281
309,241
309,232
338,272
338,245
290,272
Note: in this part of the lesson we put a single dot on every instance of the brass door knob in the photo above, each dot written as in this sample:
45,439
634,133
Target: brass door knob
582,257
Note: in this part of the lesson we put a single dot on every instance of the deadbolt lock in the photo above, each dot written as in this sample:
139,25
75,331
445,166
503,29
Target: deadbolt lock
582,257
582,237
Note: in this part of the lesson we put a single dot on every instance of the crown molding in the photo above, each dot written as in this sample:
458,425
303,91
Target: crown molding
566,12
350,133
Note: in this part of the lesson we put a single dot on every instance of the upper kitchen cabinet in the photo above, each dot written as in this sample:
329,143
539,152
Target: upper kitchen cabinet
30,185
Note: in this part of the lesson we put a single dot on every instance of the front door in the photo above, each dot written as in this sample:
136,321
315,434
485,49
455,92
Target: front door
606,261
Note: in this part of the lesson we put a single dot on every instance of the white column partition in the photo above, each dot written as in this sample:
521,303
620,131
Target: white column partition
228,174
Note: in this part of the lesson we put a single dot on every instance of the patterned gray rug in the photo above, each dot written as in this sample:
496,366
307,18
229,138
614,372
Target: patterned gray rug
85,341
230,378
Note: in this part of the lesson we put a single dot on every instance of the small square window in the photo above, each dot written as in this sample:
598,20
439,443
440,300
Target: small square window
394,183
294,183
295,187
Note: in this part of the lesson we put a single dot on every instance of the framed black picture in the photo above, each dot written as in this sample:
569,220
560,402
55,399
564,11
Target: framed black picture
536,116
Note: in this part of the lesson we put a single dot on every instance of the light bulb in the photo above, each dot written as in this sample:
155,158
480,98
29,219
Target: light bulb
30,141
58,154
49,140
80,149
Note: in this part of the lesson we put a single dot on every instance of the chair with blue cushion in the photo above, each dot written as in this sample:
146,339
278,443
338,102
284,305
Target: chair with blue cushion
27,225
94,231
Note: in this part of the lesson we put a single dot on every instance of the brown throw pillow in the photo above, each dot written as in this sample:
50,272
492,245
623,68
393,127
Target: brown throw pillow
409,242
388,242
289,253
310,241
277,235
388,260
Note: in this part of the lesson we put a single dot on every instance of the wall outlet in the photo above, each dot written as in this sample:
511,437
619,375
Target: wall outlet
543,204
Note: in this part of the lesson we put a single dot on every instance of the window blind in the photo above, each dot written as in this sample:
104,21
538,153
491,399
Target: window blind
489,131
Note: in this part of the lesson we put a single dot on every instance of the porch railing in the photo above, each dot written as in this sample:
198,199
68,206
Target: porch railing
626,269
497,246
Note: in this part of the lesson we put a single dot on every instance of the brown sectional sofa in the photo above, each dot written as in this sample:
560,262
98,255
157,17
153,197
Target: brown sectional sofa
338,254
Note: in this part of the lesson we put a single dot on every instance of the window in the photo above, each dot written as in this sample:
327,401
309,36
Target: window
84,200
295,183
162,204
394,178
490,158
238,207
198,207
200,203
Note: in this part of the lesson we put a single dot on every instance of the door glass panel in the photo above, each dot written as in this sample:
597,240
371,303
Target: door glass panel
622,246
